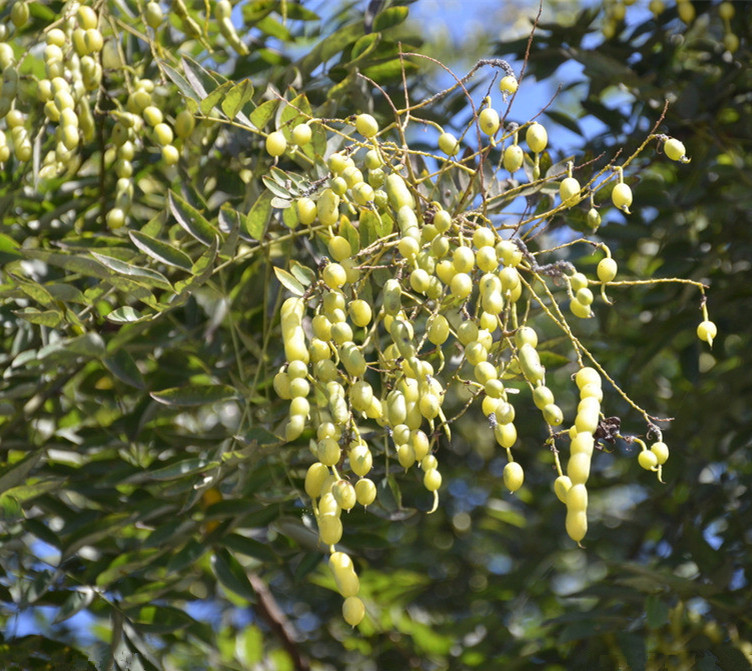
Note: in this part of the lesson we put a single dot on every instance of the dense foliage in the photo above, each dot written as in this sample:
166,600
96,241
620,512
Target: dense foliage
155,201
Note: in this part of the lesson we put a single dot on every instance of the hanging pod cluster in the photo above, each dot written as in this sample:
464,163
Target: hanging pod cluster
444,297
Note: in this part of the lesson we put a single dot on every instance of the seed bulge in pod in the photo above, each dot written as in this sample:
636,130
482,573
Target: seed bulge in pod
344,494
513,476
365,491
576,524
314,479
562,484
361,460
577,497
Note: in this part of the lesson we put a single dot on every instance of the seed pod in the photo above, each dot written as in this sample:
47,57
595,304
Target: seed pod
530,364
505,434
577,497
537,137
399,194
576,524
314,479
330,529
353,611
562,484
361,460
513,158
365,492
513,476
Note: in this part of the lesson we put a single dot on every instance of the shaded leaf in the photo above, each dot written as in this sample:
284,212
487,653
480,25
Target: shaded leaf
231,574
122,366
161,251
192,395
191,220
288,281
390,17
255,222
237,97
215,97
144,276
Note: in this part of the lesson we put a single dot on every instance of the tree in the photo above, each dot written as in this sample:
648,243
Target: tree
218,254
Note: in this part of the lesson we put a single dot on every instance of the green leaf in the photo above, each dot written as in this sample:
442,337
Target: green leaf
330,46
123,367
289,282
273,28
390,17
191,220
255,222
159,619
237,97
87,345
276,189
77,601
182,83
349,232
194,395
369,221
216,96
161,251
49,318
302,273
201,80
16,473
263,113
126,315
297,110
144,276
364,46
33,290
176,471
250,548
231,574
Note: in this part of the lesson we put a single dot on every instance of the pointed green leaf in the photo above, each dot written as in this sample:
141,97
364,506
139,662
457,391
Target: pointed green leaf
276,189
141,275
33,290
255,222
302,273
161,251
78,600
182,83
191,220
350,233
201,80
364,46
126,315
175,471
192,395
263,113
236,97
250,547
289,282
232,575
123,367
16,473
390,17
215,97
49,318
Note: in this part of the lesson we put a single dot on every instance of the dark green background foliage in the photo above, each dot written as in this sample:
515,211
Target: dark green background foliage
137,376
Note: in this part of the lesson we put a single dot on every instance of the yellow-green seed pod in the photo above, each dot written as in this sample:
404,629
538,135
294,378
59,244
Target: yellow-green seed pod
315,476
353,611
399,194
505,434
513,476
562,485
